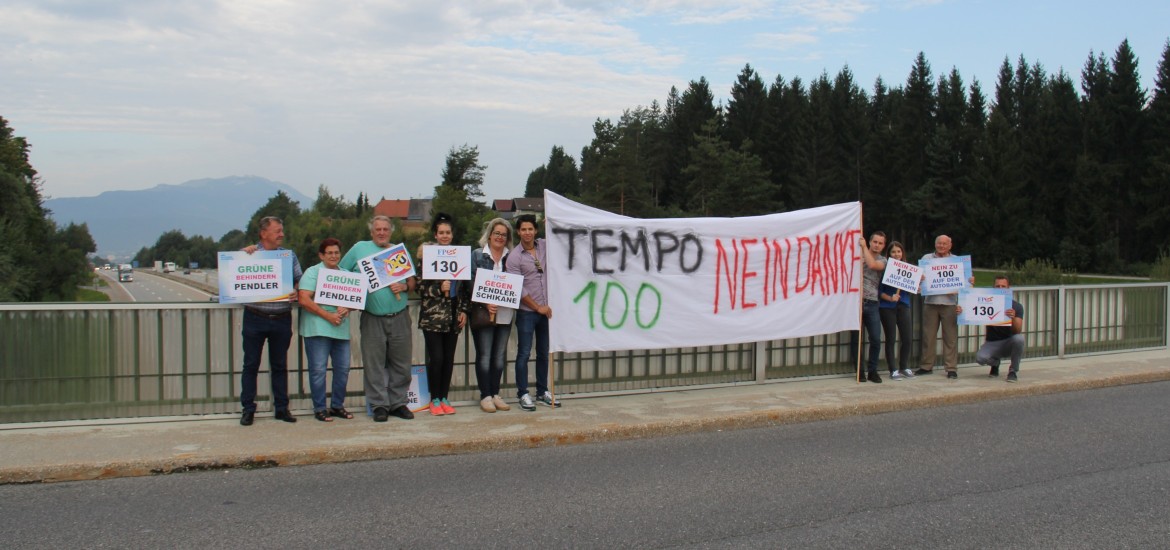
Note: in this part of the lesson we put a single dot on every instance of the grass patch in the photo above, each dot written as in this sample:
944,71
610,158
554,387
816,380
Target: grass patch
88,295
986,278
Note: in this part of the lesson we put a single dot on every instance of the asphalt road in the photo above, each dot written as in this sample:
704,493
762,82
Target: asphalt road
1074,470
147,287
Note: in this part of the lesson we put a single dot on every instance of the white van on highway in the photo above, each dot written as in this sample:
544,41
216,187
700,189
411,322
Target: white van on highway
169,267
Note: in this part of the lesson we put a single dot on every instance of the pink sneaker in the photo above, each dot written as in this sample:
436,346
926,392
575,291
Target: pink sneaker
447,408
437,408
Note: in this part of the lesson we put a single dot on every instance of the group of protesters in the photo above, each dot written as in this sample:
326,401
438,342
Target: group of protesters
886,309
445,304
386,328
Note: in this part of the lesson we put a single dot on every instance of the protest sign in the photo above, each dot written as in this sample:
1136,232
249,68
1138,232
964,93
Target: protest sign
446,262
497,288
945,275
617,283
340,288
384,268
985,306
902,276
263,276
418,395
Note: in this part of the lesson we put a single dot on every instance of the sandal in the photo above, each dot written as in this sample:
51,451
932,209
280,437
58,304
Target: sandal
341,413
322,416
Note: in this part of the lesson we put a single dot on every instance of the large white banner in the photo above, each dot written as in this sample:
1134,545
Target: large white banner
617,283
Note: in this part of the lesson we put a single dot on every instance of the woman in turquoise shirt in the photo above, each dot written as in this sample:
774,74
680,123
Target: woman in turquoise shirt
325,329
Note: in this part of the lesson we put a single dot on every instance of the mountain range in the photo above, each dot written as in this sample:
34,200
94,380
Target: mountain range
122,222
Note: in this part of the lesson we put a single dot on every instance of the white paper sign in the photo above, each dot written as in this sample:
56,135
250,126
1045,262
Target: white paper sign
498,288
985,306
386,267
263,276
902,276
945,275
340,288
446,262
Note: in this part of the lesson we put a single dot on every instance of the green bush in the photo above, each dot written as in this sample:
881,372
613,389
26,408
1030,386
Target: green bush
1160,271
1038,271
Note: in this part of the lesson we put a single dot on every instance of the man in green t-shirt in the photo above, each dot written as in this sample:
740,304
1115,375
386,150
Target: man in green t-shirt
386,332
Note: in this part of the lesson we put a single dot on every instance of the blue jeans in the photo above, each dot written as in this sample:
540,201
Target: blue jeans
491,354
529,323
871,318
318,350
278,333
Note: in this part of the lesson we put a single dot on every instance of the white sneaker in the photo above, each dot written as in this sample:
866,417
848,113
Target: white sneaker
908,373
526,403
546,398
896,376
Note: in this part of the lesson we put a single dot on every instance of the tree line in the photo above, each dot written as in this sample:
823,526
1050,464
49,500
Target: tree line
39,260
1038,170
459,193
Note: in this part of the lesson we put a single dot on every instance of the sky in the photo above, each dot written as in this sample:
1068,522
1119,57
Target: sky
371,95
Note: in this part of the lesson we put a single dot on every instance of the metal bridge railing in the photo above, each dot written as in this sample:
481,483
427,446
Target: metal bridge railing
82,361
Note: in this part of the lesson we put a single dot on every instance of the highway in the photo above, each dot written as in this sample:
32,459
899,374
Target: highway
150,287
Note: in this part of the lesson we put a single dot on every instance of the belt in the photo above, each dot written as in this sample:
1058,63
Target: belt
388,315
255,311
870,301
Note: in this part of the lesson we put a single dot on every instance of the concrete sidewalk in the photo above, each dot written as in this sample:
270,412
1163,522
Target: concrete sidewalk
44,452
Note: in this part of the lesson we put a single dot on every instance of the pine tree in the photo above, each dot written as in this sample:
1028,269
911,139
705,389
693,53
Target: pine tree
1127,100
745,109
1155,221
784,115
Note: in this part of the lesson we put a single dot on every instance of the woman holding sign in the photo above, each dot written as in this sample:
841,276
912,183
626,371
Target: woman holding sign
491,342
443,307
894,308
325,329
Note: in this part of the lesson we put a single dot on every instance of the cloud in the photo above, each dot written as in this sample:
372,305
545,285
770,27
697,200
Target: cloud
833,12
786,40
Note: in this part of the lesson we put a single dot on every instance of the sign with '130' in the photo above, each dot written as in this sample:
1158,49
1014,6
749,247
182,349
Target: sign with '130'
446,262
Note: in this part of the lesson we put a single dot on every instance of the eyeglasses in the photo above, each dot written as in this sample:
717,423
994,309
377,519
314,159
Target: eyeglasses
498,234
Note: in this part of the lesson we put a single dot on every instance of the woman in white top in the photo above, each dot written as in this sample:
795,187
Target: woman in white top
491,343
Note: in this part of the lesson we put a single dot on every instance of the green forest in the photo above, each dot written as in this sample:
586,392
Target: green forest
1036,169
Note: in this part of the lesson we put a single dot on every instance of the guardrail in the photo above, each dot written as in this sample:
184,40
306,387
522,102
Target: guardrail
83,361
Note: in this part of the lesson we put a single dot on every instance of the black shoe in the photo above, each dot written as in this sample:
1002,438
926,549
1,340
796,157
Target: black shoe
994,372
402,412
381,414
1011,377
285,416
873,377
247,418
341,413
952,375
921,372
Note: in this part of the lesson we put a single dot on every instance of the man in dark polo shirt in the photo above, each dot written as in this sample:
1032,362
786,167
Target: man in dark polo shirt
1004,341
271,321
